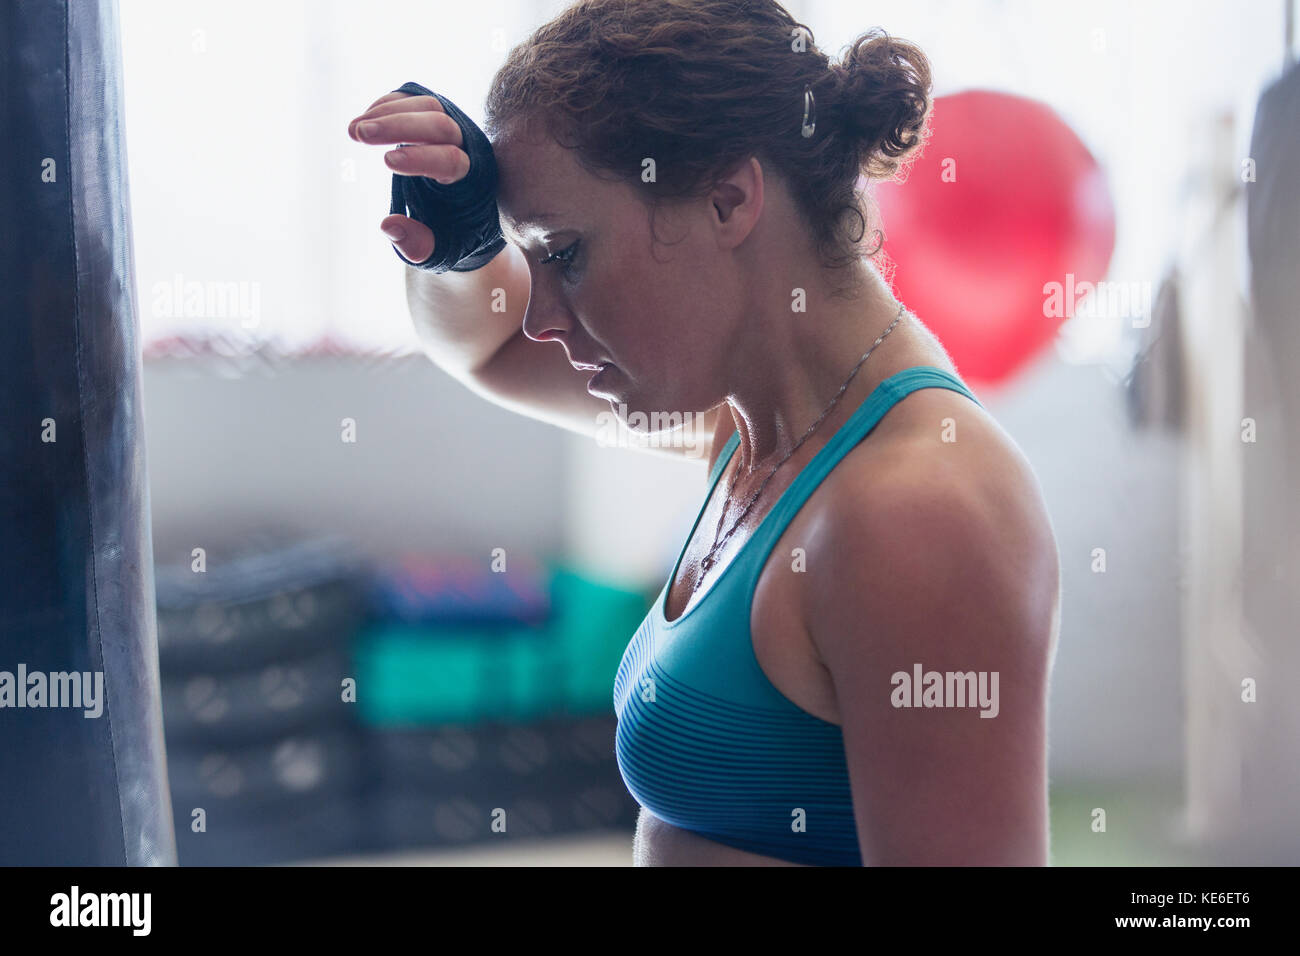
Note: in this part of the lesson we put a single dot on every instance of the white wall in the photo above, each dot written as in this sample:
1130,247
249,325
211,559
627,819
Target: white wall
433,468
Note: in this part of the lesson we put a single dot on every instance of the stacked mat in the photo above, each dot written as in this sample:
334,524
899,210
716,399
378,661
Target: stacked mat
263,751
487,701
318,706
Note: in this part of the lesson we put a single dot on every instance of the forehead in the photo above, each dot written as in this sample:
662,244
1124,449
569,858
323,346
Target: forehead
540,184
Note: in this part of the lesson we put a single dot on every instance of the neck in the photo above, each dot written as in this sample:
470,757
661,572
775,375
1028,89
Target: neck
790,365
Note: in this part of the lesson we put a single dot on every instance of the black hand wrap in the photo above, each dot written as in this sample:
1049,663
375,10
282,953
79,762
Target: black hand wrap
463,215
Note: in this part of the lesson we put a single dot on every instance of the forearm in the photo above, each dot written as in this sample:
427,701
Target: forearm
463,318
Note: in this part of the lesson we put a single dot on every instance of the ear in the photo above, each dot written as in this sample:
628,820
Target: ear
737,202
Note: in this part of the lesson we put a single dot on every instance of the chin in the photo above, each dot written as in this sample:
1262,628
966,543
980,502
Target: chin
653,425
646,419
631,409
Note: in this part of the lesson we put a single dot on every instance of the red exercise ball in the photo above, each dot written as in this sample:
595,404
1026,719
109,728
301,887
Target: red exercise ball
1004,201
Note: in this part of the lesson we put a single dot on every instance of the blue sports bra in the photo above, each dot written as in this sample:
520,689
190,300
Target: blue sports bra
705,741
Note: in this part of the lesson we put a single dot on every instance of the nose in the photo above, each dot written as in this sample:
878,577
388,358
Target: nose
545,318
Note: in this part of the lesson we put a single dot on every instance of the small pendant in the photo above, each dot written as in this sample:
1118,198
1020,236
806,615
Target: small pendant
706,563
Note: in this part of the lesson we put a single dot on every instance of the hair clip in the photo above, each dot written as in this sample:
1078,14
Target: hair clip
809,112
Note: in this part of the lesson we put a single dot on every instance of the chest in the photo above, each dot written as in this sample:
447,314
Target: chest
722,721
778,607
782,645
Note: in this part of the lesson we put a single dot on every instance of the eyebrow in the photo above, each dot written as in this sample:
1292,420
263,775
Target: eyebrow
533,218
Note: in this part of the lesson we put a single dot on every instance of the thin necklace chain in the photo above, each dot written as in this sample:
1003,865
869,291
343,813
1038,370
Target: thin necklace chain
709,559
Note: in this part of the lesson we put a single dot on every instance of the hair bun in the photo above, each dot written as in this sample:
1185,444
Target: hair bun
882,99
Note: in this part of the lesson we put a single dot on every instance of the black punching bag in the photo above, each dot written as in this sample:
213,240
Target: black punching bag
82,769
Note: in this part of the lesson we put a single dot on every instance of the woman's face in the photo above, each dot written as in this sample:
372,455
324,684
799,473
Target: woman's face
660,314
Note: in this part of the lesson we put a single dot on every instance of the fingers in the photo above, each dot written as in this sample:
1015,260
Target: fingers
413,239
387,97
423,127
397,103
446,164
434,151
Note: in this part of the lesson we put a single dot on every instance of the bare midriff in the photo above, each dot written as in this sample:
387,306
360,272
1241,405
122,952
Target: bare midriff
659,843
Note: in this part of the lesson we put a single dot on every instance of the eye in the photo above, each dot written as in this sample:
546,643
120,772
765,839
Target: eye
564,255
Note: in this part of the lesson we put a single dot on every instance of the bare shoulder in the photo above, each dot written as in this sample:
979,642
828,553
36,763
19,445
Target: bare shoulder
945,507
943,455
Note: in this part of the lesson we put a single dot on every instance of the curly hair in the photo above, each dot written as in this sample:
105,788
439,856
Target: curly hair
702,85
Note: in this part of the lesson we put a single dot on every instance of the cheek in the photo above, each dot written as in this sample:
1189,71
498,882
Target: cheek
630,298
655,307
676,287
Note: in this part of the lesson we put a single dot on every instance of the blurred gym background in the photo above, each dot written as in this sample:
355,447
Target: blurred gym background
273,320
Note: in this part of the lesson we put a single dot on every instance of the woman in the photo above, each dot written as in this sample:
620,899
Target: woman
849,663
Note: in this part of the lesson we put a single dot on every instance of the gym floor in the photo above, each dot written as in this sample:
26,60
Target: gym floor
611,848
1141,830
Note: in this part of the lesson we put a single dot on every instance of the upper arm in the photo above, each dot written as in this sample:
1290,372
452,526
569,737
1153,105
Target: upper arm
930,581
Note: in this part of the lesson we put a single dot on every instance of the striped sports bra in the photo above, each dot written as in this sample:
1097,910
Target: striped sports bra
705,741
